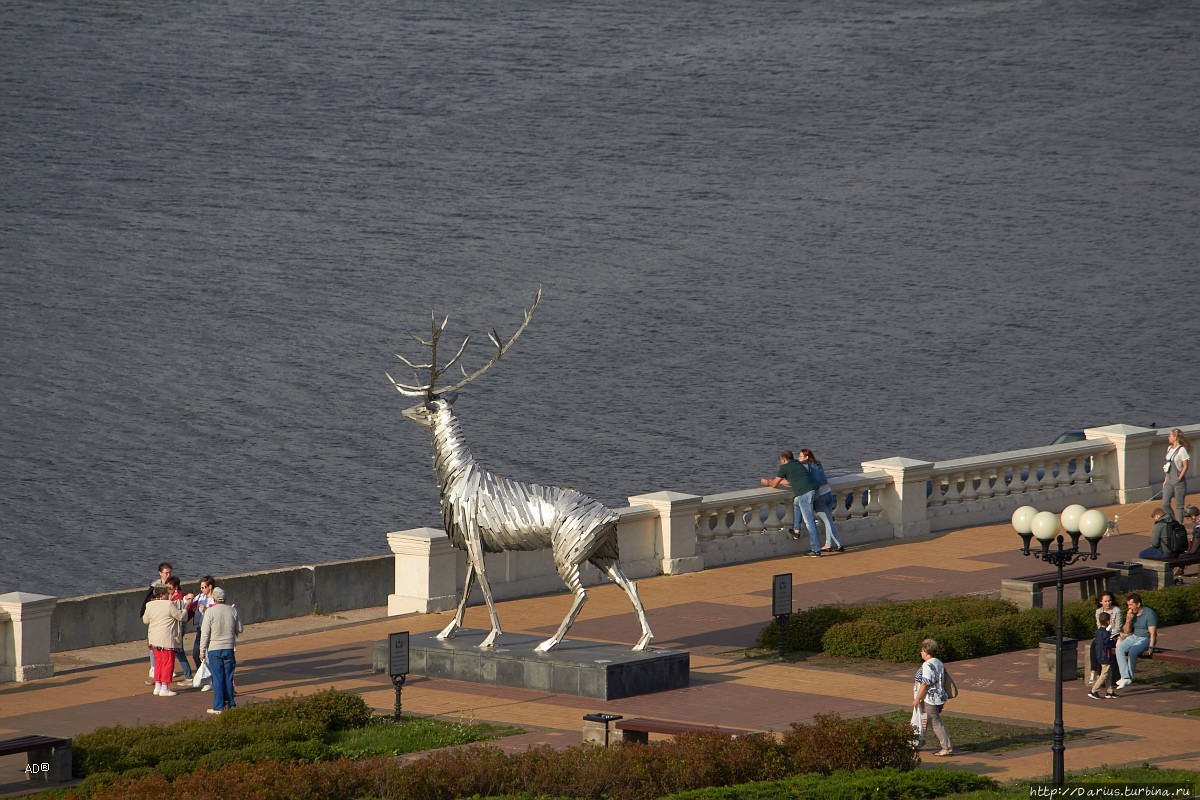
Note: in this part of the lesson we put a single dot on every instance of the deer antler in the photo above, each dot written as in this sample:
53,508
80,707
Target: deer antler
429,390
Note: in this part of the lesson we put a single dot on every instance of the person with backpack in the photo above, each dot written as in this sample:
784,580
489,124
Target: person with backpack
1168,539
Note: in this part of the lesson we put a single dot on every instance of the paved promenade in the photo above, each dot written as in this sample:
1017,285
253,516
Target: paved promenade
713,614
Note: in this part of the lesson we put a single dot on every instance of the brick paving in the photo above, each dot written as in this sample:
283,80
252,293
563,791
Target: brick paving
715,615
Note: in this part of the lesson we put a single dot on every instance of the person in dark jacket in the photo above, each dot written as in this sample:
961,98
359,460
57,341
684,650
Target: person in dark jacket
1158,536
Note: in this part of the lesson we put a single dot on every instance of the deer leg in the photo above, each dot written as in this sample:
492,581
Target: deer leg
613,571
573,582
456,623
475,552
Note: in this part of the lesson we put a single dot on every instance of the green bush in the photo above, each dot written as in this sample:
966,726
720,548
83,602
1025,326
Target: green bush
328,710
934,611
895,620
990,637
1079,619
861,785
1028,628
859,639
902,648
1170,606
805,628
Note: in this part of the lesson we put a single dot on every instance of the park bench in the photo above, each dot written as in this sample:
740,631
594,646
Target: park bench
598,729
1177,657
638,729
1163,568
1026,591
49,756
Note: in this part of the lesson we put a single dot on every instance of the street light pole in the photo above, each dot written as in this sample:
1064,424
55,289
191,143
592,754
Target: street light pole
1030,523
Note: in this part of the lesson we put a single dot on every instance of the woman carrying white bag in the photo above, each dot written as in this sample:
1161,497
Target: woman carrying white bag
929,695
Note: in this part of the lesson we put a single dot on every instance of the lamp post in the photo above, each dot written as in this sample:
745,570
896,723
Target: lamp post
1044,525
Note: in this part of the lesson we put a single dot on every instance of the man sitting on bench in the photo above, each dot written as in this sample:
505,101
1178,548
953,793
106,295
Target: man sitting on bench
1167,540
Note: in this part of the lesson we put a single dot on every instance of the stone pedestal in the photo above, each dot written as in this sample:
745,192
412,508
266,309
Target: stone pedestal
25,636
905,501
588,669
1070,656
676,529
426,572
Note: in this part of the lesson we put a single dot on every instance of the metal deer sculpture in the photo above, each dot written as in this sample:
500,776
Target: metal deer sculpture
485,513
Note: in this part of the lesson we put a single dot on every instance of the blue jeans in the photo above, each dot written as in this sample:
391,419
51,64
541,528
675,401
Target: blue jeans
222,663
824,506
183,663
1128,650
802,505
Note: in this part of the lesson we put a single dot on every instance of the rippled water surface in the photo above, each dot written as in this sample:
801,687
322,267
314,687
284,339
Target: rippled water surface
929,229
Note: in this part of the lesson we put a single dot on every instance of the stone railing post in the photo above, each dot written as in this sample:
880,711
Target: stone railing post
1130,473
426,572
905,501
26,653
676,529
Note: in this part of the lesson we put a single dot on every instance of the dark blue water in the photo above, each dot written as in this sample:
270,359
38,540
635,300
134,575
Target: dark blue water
929,229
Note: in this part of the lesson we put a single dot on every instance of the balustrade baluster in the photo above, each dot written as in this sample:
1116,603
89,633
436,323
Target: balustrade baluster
988,481
739,526
937,497
723,529
953,493
704,531
1021,475
873,507
1039,482
969,492
776,517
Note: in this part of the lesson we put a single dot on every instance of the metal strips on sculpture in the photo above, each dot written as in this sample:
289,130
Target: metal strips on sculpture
485,513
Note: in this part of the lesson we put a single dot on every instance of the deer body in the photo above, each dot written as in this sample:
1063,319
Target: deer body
486,513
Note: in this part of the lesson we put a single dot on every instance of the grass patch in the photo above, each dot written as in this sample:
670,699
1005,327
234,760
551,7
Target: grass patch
982,736
384,737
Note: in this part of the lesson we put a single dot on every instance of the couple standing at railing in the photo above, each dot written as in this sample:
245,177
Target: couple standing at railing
812,497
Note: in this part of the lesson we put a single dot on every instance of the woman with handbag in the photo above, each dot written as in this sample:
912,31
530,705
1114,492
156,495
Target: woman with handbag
929,694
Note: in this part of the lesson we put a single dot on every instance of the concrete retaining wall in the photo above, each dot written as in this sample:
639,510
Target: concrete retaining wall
111,617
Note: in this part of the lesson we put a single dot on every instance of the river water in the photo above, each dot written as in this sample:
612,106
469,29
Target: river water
929,229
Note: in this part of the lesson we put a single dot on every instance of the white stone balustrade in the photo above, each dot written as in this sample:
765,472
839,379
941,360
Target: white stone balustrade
673,533
985,489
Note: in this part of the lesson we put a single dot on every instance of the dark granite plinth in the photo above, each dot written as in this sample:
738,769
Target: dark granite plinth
587,669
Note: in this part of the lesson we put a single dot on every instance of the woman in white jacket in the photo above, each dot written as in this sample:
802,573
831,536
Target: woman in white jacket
163,618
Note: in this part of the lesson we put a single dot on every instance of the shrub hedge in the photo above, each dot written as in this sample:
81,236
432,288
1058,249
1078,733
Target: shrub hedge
964,627
290,728
694,761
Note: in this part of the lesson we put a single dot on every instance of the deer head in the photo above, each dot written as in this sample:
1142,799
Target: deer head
434,396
